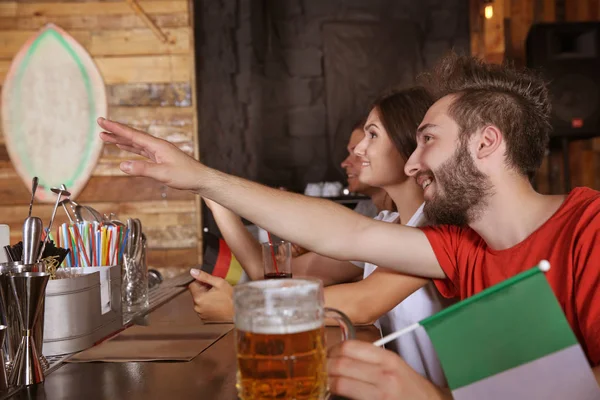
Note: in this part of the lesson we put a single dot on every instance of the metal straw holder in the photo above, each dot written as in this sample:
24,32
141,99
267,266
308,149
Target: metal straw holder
9,313
3,376
29,290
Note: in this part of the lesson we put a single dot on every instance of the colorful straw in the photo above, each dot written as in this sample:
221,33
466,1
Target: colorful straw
91,244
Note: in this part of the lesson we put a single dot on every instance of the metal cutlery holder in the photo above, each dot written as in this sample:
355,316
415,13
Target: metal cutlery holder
9,312
82,310
29,291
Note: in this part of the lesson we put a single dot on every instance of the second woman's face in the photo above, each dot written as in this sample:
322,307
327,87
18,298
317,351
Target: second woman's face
382,164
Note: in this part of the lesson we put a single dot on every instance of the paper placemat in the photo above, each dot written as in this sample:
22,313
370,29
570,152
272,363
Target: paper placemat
152,343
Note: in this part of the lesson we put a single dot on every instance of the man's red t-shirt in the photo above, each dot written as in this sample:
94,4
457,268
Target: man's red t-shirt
570,240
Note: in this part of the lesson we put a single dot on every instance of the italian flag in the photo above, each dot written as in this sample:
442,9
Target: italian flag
511,341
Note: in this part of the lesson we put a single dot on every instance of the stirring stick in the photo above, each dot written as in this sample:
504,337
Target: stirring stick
272,252
34,185
79,241
62,191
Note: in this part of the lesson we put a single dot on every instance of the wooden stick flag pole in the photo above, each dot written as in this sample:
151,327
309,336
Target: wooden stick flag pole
543,266
396,335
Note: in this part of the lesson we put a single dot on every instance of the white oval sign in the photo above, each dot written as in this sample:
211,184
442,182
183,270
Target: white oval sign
51,98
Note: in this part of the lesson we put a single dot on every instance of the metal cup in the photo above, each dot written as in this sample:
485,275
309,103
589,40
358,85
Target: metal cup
3,378
9,312
29,289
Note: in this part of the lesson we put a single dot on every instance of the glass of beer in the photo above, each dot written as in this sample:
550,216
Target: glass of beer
280,334
277,259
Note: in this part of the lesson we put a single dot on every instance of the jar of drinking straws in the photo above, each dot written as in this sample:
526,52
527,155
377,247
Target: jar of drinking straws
108,243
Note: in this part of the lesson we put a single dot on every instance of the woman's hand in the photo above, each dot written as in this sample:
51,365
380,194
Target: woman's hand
213,297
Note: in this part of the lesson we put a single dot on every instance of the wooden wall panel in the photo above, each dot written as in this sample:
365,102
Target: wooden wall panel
476,22
122,42
94,22
150,85
548,11
176,94
494,34
519,15
173,123
134,69
52,9
167,224
107,188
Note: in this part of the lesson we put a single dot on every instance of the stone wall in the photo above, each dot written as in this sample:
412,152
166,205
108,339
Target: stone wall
264,111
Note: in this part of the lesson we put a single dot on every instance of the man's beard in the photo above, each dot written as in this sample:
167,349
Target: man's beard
461,193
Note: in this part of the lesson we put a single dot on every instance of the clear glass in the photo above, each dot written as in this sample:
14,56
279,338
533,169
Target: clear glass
134,285
277,259
280,339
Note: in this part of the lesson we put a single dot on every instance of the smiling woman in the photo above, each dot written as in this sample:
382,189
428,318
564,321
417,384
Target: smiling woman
381,160
377,162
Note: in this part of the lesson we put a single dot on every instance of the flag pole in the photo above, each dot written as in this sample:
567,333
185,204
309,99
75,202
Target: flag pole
543,266
395,335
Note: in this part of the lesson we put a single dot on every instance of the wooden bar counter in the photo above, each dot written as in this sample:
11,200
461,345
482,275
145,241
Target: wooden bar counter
210,375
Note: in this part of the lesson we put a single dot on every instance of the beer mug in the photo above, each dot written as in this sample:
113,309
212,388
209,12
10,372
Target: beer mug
280,339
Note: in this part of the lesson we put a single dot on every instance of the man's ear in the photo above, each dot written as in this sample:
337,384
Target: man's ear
489,140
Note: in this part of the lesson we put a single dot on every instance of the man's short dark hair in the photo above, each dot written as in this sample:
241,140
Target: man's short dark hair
516,101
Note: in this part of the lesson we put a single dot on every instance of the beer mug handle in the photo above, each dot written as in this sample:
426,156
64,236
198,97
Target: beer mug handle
348,332
342,319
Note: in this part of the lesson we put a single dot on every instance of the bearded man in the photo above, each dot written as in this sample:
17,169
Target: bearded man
477,146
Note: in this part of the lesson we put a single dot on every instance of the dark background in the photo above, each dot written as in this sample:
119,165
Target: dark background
280,82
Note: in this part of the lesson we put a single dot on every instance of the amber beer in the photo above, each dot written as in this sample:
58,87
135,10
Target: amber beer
274,365
280,339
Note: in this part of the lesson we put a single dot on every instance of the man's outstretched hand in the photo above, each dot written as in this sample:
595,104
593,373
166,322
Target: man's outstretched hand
163,160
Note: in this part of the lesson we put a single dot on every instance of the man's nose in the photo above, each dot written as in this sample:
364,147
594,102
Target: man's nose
412,166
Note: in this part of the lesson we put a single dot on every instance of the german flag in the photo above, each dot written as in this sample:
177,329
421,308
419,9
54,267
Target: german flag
219,260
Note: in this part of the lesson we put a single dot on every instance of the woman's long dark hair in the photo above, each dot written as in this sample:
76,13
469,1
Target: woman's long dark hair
401,112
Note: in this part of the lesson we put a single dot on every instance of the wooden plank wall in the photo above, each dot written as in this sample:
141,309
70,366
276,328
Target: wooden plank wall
150,85
503,38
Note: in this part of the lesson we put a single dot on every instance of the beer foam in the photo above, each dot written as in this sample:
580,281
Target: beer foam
288,286
277,327
279,306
